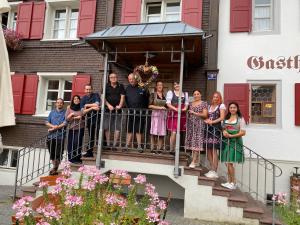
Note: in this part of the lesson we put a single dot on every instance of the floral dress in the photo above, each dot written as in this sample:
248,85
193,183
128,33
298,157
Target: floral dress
195,128
233,147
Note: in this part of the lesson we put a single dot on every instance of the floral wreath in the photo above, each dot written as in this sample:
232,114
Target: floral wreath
141,70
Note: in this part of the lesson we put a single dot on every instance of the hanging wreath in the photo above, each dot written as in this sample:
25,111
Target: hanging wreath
145,70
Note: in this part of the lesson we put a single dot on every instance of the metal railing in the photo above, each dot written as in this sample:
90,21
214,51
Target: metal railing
148,131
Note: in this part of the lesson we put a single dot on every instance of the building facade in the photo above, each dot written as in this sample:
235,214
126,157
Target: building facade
259,68
55,63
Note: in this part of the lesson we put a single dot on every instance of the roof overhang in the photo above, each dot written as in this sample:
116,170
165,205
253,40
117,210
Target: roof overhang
165,40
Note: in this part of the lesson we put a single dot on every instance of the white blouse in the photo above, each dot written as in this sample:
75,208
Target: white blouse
222,106
170,96
242,123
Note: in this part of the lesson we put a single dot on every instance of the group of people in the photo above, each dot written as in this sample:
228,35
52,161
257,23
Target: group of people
206,126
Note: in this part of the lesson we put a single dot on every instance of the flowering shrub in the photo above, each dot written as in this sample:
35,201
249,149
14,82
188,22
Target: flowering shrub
13,39
94,200
288,212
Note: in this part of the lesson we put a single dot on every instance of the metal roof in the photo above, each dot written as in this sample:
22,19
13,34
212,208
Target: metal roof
146,30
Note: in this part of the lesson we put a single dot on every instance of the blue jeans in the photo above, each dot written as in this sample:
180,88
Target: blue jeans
75,138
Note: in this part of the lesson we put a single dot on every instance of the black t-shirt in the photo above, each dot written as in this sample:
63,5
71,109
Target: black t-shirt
136,97
113,95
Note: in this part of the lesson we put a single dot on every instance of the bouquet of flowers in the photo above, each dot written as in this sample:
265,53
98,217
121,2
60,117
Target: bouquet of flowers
13,39
93,199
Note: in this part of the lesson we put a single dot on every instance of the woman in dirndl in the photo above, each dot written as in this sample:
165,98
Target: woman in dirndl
173,105
213,129
234,129
158,117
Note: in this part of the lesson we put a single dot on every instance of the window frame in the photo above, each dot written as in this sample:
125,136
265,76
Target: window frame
11,149
52,6
278,102
163,4
44,78
10,17
274,17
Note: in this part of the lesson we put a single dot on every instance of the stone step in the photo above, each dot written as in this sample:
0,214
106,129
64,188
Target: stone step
28,191
134,156
237,199
206,181
192,171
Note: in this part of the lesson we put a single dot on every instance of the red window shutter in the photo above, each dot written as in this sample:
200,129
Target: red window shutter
131,11
17,81
297,104
29,94
24,19
79,83
240,15
238,93
38,19
192,12
86,18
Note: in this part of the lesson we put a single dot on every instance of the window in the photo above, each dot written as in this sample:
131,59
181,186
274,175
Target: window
65,23
10,19
162,11
14,20
263,103
58,88
263,15
8,158
53,86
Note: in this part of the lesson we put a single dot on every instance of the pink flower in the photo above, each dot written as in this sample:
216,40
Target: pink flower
49,212
43,223
101,179
56,189
70,182
122,203
121,173
89,185
43,184
152,214
111,199
73,200
22,206
140,179
90,171
162,205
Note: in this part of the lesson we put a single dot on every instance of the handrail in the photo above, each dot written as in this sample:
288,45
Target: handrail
33,160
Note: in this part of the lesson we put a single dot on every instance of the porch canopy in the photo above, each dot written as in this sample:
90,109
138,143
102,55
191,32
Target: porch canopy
128,43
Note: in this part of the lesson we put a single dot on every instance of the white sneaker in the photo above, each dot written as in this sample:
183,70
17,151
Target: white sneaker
208,174
226,185
212,174
192,165
232,186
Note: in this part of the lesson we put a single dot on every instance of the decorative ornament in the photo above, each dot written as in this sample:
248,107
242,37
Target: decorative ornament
146,70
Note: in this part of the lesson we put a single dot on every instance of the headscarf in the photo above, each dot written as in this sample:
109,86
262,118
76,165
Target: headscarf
73,106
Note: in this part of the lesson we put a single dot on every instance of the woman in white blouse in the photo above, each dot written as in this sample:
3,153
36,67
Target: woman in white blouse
172,99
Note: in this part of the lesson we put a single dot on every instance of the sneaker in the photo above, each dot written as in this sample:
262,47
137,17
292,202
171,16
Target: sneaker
192,165
225,185
212,174
231,186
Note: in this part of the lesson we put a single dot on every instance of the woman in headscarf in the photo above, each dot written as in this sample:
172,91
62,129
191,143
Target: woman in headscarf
76,130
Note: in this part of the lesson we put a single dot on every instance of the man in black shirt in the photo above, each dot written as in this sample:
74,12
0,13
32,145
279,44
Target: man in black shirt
137,100
114,101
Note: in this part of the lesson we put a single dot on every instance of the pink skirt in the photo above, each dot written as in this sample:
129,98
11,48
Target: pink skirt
158,123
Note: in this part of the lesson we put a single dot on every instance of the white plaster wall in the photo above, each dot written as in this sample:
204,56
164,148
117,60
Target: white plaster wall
281,142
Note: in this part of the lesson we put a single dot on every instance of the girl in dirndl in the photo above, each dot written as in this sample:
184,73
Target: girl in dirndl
158,117
234,129
172,103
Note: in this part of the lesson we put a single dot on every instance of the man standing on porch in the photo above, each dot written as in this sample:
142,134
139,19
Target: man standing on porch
90,105
55,140
137,100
